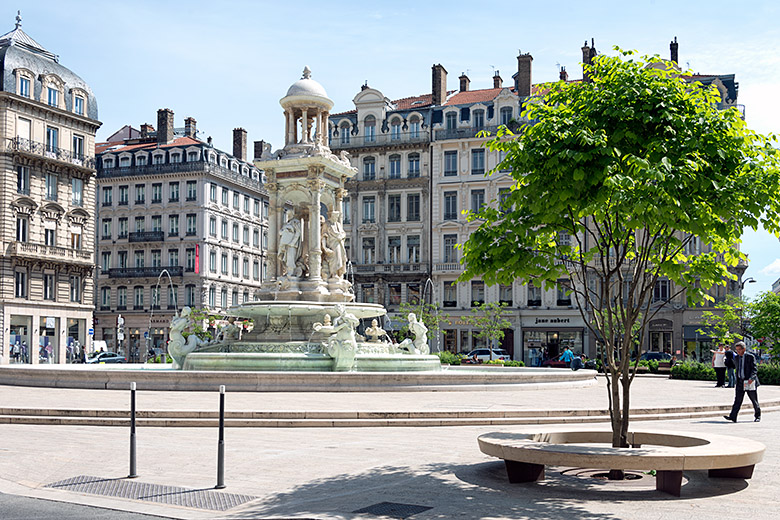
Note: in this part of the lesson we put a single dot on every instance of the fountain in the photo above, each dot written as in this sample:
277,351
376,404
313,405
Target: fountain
306,317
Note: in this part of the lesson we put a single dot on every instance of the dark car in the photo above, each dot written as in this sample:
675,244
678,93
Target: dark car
107,357
655,356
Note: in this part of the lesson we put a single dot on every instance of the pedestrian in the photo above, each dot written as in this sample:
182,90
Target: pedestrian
747,382
567,356
719,364
577,363
730,367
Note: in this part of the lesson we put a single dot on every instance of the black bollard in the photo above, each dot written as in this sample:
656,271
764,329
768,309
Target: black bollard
132,432
221,444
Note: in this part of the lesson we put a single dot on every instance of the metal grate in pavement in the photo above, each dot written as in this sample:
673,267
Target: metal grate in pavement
393,509
170,495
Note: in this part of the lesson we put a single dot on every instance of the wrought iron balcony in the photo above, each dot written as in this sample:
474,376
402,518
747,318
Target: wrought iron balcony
144,272
147,236
186,167
20,144
50,253
463,133
388,139
391,268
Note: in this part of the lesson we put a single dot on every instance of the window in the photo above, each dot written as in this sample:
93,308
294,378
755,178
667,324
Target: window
256,270
124,162
124,195
369,169
212,296
24,87
108,162
563,292
506,115
479,119
225,196
413,207
156,258
121,298
505,294
394,250
450,205
192,190
395,167
108,196
138,298
140,193
661,291
156,193
75,288
213,226
105,261
77,189
52,139
192,224
450,252
234,298
414,128
236,200
368,209
139,259
189,295
450,294
140,160
224,229
78,147
414,165
503,198
50,233
175,158
368,292
368,250
370,129
450,163
413,293
413,249
224,263
173,257
344,133
122,259
395,130
693,247
75,238
22,228
190,267
477,200
346,210
106,226
394,294
157,223
346,248
48,287
451,121
192,156
20,284
245,235
50,181
122,227
53,97
173,225
235,233
478,161
158,159
235,265
256,204
173,192
140,224
173,293
223,298
213,261
213,192
256,238
245,270
393,208
477,292
23,180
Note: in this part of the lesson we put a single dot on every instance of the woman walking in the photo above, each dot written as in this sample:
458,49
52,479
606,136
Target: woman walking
719,364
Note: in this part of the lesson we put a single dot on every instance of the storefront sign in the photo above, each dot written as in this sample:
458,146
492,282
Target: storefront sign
551,320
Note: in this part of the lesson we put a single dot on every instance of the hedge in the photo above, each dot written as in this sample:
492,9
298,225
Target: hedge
768,373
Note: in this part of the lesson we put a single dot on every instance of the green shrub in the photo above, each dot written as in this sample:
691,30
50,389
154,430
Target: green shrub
693,370
449,358
769,374
505,363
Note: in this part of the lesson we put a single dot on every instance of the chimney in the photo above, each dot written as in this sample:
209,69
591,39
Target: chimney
673,48
259,149
146,129
523,78
564,76
464,82
239,143
497,81
164,126
439,87
190,127
588,53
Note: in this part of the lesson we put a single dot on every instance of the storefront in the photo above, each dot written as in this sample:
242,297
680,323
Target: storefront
660,337
546,336
698,343
45,335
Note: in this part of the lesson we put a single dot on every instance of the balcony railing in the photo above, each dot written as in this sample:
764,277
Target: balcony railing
20,144
448,266
144,272
390,268
53,253
189,166
147,236
360,141
463,133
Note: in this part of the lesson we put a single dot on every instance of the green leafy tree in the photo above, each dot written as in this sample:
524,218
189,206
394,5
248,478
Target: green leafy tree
764,315
200,317
429,313
725,323
489,320
613,179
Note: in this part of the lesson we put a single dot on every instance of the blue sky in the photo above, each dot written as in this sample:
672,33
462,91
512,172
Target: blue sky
228,63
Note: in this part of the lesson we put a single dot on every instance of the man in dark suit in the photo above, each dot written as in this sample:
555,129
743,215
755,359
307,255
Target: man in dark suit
747,381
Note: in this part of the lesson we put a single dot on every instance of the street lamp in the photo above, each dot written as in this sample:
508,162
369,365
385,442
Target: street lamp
742,285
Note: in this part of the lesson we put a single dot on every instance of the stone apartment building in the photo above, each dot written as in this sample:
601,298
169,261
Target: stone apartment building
48,120
180,223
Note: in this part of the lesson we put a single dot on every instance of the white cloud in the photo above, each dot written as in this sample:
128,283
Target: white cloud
773,268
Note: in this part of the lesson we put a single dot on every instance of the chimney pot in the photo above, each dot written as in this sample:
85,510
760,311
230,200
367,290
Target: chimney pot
523,79
497,81
239,143
464,82
673,48
146,129
563,74
588,53
439,85
190,127
164,126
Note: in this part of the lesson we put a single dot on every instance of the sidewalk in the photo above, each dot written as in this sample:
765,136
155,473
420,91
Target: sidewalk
331,472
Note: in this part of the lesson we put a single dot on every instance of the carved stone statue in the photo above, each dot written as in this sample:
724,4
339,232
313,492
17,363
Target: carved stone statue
290,239
342,343
229,332
178,347
420,343
374,332
334,252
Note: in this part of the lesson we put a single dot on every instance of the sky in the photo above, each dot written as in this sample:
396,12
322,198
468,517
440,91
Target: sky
228,63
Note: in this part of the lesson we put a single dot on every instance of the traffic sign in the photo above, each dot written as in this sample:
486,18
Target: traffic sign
91,332
146,334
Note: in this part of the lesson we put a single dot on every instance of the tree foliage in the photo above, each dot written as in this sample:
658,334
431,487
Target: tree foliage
725,323
488,319
429,313
764,314
614,181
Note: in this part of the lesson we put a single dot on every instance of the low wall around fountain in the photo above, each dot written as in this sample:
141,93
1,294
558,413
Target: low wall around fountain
307,362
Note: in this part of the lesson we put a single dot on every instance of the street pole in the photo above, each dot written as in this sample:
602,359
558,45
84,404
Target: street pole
132,431
221,443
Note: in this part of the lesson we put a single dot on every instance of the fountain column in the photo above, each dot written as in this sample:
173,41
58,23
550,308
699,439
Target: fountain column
273,226
315,233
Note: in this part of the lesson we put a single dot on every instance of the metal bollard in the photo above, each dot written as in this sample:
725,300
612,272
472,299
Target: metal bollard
132,432
221,443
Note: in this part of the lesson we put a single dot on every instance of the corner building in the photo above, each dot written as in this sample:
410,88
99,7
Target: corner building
48,120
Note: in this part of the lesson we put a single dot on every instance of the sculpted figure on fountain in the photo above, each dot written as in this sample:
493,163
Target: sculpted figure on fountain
342,343
290,240
178,346
420,343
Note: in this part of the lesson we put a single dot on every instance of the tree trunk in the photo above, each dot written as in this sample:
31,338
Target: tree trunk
619,415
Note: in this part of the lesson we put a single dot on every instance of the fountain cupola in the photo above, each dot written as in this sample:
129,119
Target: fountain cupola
306,109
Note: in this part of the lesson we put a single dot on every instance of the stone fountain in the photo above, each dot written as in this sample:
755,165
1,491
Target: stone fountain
306,318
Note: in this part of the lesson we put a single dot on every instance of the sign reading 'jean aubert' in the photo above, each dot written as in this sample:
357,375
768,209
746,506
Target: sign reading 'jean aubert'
552,320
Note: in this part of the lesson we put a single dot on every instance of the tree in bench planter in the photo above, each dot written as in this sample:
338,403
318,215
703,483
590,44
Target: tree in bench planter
616,180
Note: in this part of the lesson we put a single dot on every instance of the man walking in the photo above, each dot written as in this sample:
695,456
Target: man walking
747,381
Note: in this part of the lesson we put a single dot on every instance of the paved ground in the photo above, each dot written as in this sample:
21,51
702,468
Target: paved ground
332,472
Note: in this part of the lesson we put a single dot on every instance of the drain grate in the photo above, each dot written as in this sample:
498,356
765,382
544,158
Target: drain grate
393,509
171,495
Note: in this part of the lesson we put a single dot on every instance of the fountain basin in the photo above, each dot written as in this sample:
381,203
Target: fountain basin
306,362
314,310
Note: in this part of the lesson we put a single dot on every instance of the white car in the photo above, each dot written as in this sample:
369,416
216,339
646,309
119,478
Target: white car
483,354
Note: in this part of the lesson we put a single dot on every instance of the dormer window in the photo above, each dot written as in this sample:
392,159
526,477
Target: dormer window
344,133
53,97
24,87
124,162
370,129
223,162
140,160
395,130
158,159
108,163
451,120
479,118
506,115
78,105
175,157
414,128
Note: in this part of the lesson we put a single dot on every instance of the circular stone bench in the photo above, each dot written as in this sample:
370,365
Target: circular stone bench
668,453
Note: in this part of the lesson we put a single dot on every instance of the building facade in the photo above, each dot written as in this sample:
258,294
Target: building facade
48,120
180,223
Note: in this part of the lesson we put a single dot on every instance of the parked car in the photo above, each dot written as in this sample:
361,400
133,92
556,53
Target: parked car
483,354
107,357
655,356
554,363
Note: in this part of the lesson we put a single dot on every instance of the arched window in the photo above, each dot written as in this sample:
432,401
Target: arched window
369,125
395,130
344,133
479,119
451,120
506,115
414,165
395,167
369,169
414,127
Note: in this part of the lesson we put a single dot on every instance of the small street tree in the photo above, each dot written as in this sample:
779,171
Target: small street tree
615,180
489,320
429,313
764,315
725,323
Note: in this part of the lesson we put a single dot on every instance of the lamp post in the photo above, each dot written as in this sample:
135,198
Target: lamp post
742,327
